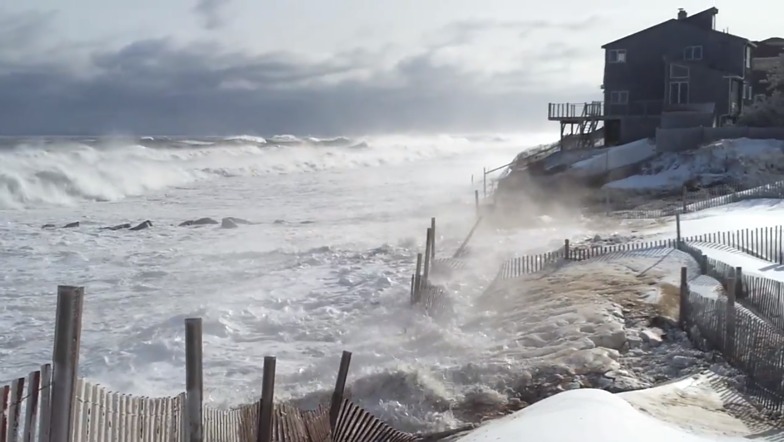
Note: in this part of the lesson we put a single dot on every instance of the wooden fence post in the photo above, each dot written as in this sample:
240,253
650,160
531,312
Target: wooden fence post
65,361
194,386
476,201
340,386
418,278
683,306
739,294
566,249
412,300
678,231
433,238
729,337
704,264
266,407
426,271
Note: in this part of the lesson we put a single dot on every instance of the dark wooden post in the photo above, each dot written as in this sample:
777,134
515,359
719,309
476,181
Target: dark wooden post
65,360
194,385
678,231
433,238
566,249
729,338
418,278
476,201
266,407
426,272
340,386
739,294
704,264
412,301
683,307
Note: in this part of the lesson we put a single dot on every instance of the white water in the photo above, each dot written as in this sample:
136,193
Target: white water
334,276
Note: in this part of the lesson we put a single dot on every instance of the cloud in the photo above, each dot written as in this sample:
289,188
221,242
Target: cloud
155,86
467,31
211,11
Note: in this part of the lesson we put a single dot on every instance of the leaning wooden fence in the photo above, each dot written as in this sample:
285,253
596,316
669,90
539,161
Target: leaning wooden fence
53,404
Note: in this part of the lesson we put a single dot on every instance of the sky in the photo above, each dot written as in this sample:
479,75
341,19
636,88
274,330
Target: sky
316,67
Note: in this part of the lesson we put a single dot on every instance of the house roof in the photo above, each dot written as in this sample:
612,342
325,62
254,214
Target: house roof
773,41
684,22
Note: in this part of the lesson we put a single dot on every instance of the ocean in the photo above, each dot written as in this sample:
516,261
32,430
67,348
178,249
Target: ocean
325,267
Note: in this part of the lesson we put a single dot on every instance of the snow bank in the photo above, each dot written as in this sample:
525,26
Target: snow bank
740,160
588,415
616,157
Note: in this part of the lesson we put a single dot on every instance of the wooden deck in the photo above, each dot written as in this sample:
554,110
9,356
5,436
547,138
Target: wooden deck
575,112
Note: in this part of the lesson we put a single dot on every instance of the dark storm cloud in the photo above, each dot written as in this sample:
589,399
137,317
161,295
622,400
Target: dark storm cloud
155,87
211,12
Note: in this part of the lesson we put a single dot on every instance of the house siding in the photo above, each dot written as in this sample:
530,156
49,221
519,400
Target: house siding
645,72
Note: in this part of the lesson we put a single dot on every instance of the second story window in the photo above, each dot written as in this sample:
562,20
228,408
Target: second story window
692,53
616,56
619,97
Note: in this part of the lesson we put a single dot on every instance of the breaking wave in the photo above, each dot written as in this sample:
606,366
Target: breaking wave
64,171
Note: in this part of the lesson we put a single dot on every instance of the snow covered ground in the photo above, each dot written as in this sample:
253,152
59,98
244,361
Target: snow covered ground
616,157
580,328
739,160
692,409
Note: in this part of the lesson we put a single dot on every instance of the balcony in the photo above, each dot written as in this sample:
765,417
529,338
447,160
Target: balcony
575,112
597,110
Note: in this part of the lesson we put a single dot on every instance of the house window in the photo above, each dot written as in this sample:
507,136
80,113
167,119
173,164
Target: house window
692,53
679,92
619,97
678,71
616,56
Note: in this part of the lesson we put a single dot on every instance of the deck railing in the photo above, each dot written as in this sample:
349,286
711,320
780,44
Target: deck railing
561,111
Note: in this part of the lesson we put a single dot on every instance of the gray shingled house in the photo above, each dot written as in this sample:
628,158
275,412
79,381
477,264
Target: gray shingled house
679,73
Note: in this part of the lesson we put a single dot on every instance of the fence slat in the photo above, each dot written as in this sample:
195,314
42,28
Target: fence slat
45,410
31,411
15,409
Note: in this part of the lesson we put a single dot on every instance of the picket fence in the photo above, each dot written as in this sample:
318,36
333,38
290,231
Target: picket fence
52,404
708,199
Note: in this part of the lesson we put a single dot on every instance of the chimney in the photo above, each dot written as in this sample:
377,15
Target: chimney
682,14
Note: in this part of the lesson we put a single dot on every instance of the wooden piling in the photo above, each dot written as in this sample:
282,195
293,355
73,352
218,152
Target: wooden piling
739,283
566,249
418,278
264,433
412,299
476,201
433,238
194,385
426,271
683,305
65,360
729,338
340,386
678,231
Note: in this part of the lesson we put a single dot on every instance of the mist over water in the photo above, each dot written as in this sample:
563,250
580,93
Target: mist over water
326,268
